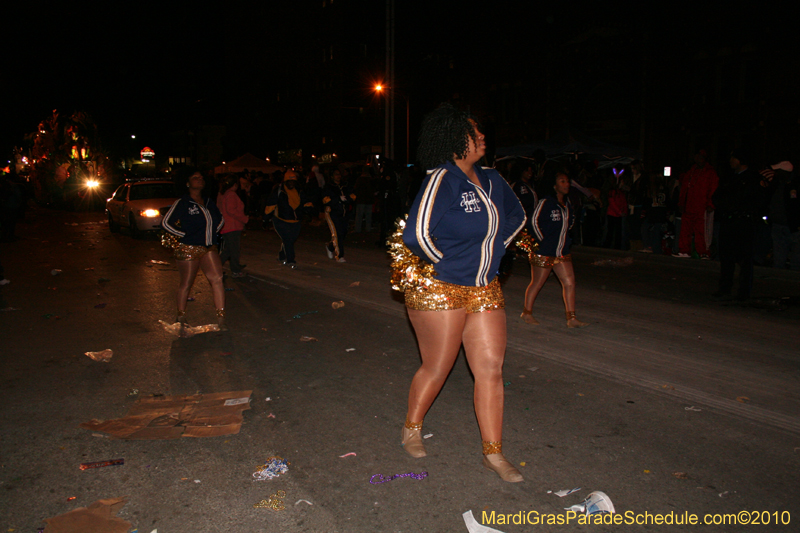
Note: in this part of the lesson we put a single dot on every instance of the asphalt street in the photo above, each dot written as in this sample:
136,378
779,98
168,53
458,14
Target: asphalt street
667,402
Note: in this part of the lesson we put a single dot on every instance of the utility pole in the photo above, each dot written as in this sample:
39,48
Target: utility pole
389,80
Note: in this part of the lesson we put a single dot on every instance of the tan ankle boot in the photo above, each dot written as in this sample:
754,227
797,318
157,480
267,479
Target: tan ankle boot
527,316
221,320
412,440
573,322
495,460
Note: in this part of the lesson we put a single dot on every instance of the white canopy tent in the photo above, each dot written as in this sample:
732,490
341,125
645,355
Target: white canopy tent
247,162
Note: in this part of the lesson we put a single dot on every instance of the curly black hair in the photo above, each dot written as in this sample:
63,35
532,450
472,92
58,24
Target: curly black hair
446,133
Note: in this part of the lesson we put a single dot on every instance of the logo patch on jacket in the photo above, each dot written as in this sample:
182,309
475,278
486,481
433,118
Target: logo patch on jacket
194,210
555,215
469,202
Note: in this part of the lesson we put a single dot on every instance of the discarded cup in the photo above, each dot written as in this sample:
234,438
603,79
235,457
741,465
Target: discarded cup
595,502
337,305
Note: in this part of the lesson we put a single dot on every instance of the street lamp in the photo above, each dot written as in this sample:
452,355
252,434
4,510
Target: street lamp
389,121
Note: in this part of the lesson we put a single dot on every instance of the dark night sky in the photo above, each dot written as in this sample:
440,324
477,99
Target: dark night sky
147,70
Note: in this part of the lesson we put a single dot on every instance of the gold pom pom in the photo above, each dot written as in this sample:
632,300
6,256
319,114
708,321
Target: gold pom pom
409,271
526,243
168,240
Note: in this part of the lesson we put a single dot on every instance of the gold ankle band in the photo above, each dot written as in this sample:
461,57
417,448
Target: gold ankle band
220,312
413,425
492,447
527,311
571,315
181,313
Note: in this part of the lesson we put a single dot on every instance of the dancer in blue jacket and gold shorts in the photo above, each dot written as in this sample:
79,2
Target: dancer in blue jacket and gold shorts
461,222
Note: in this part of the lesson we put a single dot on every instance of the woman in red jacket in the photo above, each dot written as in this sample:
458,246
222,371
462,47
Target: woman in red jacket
232,209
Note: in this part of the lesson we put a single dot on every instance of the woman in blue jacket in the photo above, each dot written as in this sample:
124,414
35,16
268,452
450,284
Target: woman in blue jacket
195,223
461,221
552,219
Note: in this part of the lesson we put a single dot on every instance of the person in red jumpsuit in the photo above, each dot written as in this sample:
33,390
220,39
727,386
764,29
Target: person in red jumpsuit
697,186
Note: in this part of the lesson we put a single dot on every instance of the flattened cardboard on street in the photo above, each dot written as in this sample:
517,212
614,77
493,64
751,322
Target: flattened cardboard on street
100,516
172,417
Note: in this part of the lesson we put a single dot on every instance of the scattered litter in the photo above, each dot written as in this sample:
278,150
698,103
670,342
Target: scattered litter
355,284
721,494
533,368
273,467
99,516
350,350
133,392
523,463
100,464
680,475
301,315
270,415
305,338
99,306
90,268
197,481
156,262
55,272
268,399
579,394
742,399
692,408
189,299
473,526
172,417
306,501
188,331
596,502
381,479
99,435
564,492
229,289
429,435
646,471
72,498
625,261
348,455
236,401
506,384
275,502
337,305
102,357
670,387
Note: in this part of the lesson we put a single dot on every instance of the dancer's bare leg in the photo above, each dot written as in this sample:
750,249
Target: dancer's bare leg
484,341
188,271
212,267
539,276
485,345
439,336
566,275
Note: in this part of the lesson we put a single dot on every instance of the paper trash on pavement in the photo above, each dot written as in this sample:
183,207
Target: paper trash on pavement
595,502
562,493
99,516
172,417
102,357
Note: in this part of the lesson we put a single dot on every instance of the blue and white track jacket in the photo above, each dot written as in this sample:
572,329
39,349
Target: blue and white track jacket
193,223
461,228
551,224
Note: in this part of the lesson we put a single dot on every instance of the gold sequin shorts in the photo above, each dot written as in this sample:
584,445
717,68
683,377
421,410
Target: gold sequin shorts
188,252
442,296
545,261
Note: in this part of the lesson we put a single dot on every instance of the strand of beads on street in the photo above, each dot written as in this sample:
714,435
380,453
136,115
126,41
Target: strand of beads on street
275,502
273,467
